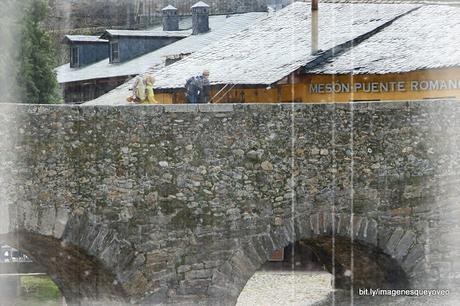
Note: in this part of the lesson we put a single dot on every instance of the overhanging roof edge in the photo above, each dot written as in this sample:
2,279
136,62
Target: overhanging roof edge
327,55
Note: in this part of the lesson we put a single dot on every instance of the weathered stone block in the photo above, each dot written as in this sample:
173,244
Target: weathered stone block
404,244
372,232
215,108
62,217
193,287
390,246
181,108
415,255
199,274
302,227
252,254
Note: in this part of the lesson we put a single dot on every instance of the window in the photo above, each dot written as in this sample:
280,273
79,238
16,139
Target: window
114,52
74,57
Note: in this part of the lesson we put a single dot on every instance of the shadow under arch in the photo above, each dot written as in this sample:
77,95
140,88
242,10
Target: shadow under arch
376,264
82,279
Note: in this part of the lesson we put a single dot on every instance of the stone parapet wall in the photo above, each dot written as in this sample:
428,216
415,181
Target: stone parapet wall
182,203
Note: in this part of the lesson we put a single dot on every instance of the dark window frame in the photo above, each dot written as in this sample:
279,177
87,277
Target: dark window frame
74,56
114,52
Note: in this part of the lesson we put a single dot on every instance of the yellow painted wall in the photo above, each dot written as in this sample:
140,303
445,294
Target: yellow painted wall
298,89
164,98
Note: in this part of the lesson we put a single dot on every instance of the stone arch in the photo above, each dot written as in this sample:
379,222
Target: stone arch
80,277
394,256
89,262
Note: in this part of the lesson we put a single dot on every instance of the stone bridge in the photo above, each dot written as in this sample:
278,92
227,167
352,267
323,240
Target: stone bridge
181,204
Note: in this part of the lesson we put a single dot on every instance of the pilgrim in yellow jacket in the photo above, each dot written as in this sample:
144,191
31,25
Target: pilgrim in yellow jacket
150,95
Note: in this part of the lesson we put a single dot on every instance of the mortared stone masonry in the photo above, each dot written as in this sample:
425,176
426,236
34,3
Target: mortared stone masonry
181,204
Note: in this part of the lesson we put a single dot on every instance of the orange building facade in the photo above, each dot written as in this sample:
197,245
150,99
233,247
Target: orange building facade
314,88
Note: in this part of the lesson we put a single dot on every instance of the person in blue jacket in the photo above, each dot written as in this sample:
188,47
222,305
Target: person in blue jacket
197,88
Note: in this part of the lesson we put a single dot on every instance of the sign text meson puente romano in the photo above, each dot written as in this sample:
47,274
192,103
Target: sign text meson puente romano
379,87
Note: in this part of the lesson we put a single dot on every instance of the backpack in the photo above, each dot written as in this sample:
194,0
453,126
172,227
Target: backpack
191,87
139,89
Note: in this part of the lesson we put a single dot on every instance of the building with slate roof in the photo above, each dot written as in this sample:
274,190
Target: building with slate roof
367,52
125,45
416,57
131,53
85,50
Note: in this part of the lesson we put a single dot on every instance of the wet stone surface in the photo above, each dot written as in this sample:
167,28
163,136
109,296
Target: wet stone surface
296,288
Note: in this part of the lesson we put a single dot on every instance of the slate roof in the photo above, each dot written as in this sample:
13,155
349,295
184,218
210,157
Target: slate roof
221,26
200,4
392,38
83,39
169,8
154,33
427,38
275,46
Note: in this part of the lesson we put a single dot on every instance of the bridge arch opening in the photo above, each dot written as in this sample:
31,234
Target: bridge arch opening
357,265
353,264
81,278
23,281
315,267
293,275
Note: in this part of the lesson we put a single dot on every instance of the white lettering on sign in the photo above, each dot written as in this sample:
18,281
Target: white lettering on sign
382,87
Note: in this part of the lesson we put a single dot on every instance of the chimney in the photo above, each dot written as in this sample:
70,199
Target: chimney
170,19
314,27
200,18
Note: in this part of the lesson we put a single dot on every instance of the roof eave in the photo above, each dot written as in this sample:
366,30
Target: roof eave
83,42
112,36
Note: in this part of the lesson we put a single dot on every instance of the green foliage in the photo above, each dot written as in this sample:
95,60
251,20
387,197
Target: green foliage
39,290
36,79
